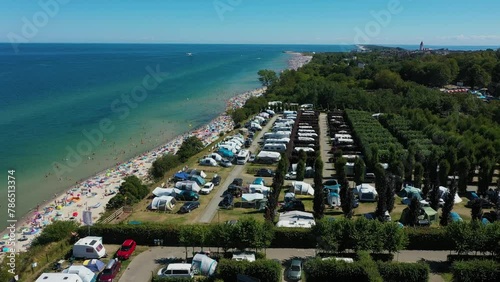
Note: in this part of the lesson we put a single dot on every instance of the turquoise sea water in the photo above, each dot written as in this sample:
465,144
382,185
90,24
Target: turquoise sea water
52,94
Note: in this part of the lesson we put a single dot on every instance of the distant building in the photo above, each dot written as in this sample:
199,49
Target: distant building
361,65
422,46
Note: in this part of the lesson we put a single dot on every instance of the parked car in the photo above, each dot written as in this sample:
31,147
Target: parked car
294,205
226,163
186,195
251,159
292,175
259,181
110,271
233,190
189,206
485,204
294,273
227,202
248,143
237,182
126,250
265,172
177,270
216,180
207,188
330,182
241,256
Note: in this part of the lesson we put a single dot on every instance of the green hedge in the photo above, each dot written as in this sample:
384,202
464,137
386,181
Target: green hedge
330,270
428,239
144,234
297,238
475,271
264,270
365,269
408,272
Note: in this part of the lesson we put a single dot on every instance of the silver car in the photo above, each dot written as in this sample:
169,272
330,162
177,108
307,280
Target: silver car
295,271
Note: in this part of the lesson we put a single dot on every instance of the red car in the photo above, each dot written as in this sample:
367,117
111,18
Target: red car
126,250
109,273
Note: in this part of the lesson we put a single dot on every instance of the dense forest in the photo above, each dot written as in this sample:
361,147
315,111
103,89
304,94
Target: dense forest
458,131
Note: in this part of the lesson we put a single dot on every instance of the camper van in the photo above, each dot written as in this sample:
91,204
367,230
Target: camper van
243,157
305,149
281,128
274,147
89,247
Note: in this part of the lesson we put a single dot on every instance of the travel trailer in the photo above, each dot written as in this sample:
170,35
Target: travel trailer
268,157
274,147
89,247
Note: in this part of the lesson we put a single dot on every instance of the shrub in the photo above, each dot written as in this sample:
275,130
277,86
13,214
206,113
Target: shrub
293,238
408,272
330,270
55,232
264,270
369,266
428,239
476,270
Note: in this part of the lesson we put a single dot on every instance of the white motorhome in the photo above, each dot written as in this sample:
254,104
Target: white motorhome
306,130
274,147
278,141
277,135
306,139
268,157
243,157
89,247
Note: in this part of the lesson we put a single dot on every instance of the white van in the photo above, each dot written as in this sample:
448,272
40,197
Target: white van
177,270
89,247
243,157
274,147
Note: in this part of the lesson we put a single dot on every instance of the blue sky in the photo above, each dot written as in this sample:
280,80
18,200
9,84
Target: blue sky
437,22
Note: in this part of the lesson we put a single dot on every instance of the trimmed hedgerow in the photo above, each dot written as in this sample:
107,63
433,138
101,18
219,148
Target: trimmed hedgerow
408,272
475,271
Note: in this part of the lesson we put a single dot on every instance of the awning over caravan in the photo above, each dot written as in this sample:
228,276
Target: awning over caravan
252,198
443,191
159,191
204,265
163,203
188,185
198,179
85,274
302,188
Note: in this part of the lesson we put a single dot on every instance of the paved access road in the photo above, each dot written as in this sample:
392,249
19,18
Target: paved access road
149,262
211,209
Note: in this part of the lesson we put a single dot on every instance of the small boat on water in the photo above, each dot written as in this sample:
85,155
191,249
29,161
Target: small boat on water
189,54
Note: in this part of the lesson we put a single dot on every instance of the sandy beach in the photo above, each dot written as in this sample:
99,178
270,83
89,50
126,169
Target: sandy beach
94,193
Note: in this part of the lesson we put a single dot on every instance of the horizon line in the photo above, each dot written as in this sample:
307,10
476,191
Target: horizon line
204,43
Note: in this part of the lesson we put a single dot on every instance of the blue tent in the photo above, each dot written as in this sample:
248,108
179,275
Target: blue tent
181,176
225,153
333,188
94,265
455,217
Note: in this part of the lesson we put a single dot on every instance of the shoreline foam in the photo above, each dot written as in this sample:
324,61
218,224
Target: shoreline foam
93,193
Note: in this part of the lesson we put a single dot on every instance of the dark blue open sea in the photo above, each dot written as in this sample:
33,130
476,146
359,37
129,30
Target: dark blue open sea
51,94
